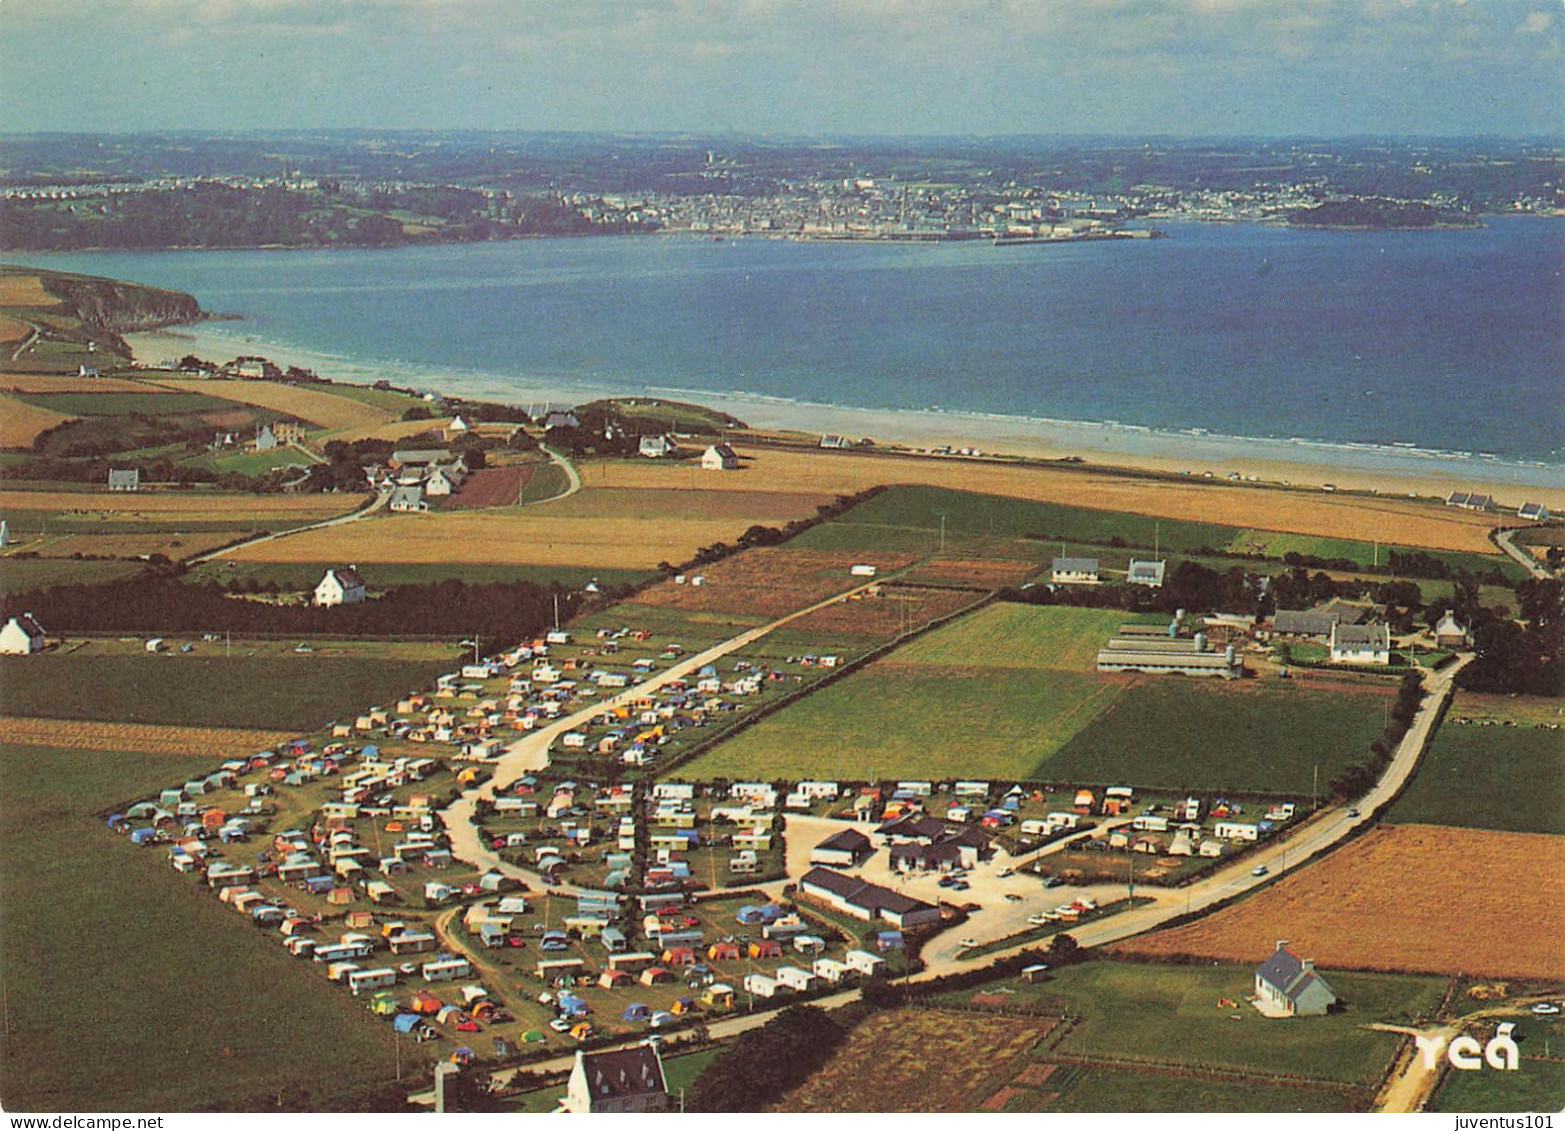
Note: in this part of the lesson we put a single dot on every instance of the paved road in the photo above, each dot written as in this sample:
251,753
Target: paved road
1504,540
380,500
572,477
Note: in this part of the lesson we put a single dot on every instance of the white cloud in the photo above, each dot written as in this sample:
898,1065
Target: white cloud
1536,23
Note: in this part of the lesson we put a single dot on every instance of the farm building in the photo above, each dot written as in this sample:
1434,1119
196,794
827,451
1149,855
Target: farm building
1165,656
1289,985
1290,622
720,457
340,587
1360,644
407,499
1074,571
620,1080
127,480
866,901
655,447
21,636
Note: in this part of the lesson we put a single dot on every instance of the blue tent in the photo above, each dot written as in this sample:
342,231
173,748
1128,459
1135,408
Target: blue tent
636,1011
570,1004
143,836
117,820
405,1022
369,751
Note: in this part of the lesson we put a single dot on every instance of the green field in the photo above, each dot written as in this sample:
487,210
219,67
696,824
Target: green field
917,510
1029,637
1105,1089
1493,777
898,720
17,575
269,691
123,404
128,988
1206,735
1164,1013
1535,1086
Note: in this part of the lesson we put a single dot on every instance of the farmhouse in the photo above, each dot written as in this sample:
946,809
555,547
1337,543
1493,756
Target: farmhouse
1450,634
1470,502
340,587
655,447
407,499
1148,573
129,480
1288,985
720,457
1074,571
620,1080
21,636
1533,512
1360,644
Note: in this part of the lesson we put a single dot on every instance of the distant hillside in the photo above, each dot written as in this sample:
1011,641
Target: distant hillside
1379,214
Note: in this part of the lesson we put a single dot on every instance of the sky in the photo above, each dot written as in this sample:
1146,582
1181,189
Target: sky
789,67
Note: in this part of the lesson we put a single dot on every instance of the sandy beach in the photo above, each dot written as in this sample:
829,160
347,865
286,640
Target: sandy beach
1387,471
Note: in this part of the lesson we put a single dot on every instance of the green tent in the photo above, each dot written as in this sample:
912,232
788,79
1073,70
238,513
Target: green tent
385,1005
533,1037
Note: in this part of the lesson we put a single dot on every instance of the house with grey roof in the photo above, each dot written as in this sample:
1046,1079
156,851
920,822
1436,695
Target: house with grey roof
126,480
618,1080
340,587
1074,571
1360,644
1289,986
720,457
1290,622
847,848
407,497
1148,573
1533,512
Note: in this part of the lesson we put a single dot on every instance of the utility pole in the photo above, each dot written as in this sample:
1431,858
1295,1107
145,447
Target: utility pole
942,515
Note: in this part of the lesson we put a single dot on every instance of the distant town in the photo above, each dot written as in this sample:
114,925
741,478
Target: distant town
349,190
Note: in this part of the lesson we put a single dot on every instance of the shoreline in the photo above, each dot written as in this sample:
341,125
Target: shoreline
1299,462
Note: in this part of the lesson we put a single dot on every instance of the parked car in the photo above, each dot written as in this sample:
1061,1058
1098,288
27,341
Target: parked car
1259,870
1053,882
1545,1009
969,942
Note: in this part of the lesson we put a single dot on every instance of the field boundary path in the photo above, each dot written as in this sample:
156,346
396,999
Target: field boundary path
1535,568
379,501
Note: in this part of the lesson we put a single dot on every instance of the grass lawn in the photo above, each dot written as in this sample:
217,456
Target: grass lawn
1204,735
274,692
1171,1014
545,483
1488,777
128,987
1536,1085
1105,1089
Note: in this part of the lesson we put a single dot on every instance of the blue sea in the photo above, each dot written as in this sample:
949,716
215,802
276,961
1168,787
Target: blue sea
1441,343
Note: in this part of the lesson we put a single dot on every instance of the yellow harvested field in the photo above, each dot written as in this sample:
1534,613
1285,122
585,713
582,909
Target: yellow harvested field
69,383
394,431
327,410
20,422
13,329
25,290
1423,898
193,506
528,535
1391,520
138,738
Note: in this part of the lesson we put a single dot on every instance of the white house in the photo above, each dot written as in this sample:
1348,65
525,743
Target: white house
1289,985
21,636
720,457
1147,573
655,447
619,1080
340,587
1074,571
408,498
126,480
1360,644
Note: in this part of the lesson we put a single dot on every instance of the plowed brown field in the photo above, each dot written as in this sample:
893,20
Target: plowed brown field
769,581
137,738
1419,898
1335,516
491,487
975,572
